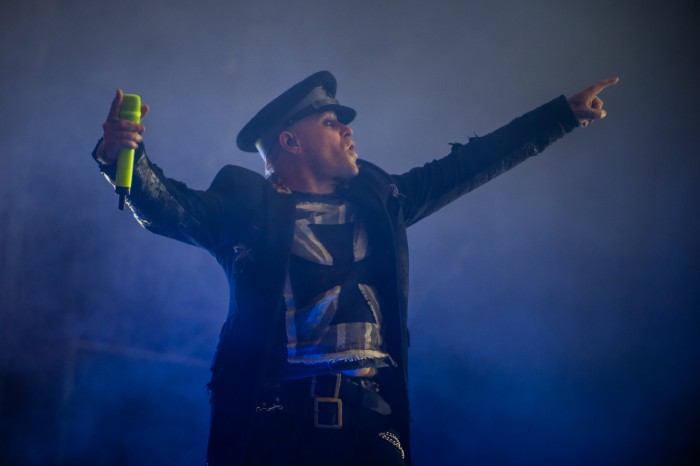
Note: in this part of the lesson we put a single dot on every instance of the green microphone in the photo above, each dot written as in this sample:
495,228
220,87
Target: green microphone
129,110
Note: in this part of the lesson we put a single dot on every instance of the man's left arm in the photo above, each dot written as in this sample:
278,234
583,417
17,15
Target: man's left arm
428,188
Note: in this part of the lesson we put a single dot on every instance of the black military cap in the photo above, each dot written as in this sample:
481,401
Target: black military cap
312,95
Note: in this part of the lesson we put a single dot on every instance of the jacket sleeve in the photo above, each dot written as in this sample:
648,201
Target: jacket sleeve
428,188
168,207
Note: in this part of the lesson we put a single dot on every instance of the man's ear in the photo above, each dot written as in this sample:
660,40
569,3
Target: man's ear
288,142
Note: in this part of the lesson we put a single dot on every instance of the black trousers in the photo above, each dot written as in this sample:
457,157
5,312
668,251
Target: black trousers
281,439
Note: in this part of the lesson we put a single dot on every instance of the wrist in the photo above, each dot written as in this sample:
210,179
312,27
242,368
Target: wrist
101,154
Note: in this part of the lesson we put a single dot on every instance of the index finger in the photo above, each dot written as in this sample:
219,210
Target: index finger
116,104
600,85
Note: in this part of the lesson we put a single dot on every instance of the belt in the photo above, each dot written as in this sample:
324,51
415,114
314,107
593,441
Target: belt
331,401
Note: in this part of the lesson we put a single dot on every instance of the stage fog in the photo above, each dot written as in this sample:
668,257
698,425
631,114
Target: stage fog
554,312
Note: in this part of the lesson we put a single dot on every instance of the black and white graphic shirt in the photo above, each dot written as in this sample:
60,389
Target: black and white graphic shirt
333,317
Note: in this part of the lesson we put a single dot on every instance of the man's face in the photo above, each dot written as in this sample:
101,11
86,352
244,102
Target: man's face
327,147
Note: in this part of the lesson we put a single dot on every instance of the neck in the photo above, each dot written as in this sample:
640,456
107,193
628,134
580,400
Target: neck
295,178
310,186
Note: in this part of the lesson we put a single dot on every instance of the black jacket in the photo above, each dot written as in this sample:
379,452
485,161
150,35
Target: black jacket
248,226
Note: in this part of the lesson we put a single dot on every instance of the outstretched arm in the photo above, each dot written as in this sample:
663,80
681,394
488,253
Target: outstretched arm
437,183
163,205
586,104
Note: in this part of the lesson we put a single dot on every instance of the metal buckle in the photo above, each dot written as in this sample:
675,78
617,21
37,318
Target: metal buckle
333,400
339,413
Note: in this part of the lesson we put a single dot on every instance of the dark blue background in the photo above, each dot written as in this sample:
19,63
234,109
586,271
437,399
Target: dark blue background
555,312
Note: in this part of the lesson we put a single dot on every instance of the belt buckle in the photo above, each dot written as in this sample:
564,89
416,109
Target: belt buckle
321,401
338,403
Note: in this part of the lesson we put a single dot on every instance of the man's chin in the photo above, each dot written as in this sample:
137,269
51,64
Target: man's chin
352,169
343,179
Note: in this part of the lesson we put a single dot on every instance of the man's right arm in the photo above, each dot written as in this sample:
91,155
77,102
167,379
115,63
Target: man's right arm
160,204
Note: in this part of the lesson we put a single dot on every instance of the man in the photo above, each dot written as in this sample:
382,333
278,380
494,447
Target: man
311,365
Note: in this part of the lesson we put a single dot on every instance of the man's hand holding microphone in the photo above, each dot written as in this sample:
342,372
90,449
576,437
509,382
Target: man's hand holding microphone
123,132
